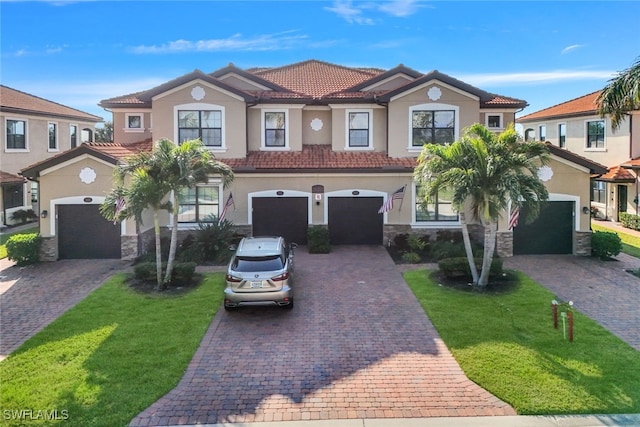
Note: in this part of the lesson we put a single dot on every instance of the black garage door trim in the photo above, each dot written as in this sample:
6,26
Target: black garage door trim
550,233
83,233
281,216
355,220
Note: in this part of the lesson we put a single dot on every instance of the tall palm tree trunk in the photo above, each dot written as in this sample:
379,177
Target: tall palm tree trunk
490,232
467,247
174,239
156,230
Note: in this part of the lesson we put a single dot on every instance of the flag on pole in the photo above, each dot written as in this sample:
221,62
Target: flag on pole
120,205
396,195
226,206
513,218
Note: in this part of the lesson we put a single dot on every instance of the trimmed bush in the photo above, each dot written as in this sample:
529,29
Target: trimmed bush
458,267
630,221
24,249
318,240
442,249
183,273
605,244
411,257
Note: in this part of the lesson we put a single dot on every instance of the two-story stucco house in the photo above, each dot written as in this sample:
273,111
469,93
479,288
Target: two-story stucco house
310,143
34,129
576,126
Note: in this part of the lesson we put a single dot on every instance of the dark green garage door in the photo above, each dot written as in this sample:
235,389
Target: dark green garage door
83,233
355,220
550,233
281,216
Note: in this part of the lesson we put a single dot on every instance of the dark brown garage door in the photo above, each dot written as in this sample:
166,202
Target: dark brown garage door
281,216
355,220
84,234
550,233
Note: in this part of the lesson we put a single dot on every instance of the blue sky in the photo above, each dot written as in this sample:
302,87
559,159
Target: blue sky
546,52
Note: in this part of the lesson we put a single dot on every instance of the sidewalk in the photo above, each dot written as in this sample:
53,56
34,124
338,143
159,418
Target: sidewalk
615,226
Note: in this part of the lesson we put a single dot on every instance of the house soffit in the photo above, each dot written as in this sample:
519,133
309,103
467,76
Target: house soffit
194,82
432,82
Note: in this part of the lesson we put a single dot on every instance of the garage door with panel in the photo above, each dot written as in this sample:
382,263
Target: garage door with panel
355,220
550,233
83,233
281,216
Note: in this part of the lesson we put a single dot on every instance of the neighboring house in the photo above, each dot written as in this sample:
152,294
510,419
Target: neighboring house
576,126
311,143
34,129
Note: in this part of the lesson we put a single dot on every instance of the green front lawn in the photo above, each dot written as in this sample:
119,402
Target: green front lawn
110,357
5,237
630,243
506,343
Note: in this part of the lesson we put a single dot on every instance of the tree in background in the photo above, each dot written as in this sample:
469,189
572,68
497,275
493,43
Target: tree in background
621,95
105,133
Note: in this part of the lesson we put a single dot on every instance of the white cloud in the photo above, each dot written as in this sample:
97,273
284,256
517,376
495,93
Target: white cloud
350,13
265,42
400,8
570,48
508,79
355,14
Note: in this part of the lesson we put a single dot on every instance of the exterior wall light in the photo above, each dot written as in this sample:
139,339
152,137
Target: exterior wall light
44,214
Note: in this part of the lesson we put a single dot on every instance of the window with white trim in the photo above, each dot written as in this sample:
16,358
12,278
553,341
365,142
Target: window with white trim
598,191
53,136
595,134
494,121
275,129
359,128
199,204
73,135
134,122
16,135
438,208
432,126
205,125
562,135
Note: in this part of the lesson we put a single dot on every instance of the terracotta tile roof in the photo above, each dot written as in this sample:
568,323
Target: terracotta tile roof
15,101
584,105
121,151
318,158
617,174
594,167
9,178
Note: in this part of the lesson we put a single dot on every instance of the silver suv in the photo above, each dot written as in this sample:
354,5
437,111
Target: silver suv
259,273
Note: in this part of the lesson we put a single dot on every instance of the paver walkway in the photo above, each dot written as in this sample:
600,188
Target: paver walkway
356,345
600,289
31,297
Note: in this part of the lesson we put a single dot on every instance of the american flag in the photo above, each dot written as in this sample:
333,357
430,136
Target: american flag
396,195
226,206
120,205
513,218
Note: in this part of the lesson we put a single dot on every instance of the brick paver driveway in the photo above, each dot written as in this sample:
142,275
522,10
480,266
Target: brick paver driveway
600,289
32,297
357,345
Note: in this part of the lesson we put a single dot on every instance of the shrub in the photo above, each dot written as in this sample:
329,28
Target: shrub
213,240
458,267
416,243
449,236
442,249
23,215
605,244
411,257
401,241
318,240
145,271
183,273
630,221
24,249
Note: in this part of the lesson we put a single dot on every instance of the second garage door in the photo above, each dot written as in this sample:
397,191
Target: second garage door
550,233
281,216
83,233
355,220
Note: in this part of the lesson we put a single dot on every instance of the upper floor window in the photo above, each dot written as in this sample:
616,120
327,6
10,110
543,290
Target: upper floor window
542,130
595,134
275,129
199,204
359,129
562,135
433,127
53,136
134,122
494,121
203,125
73,135
16,135
438,208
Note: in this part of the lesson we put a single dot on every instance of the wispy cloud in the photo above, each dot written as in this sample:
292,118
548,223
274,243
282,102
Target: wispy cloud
237,42
571,48
49,50
356,13
507,79
347,11
400,8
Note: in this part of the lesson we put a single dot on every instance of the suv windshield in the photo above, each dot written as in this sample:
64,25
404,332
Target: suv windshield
253,264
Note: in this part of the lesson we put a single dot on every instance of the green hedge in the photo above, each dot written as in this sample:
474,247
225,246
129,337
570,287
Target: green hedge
630,221
458,267
24,249
182,274
605,244
318,240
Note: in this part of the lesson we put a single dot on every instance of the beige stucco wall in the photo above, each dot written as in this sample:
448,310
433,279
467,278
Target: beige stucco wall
294,125
321,136
123,135
340,123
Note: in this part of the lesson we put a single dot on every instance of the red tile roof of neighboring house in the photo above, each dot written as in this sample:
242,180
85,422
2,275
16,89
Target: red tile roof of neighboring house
318,158
584,105
9,178
617,174
121,151
17,102
632,164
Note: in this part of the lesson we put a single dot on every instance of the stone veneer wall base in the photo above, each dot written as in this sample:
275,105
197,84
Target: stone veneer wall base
582,243
49,249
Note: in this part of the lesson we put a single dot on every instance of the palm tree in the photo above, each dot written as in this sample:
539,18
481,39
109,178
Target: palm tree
621,95
143,192
184,166
485,171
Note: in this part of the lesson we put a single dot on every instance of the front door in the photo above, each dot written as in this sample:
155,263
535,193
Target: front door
622,199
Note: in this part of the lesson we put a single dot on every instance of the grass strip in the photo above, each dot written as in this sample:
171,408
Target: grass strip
630,243
108,358
506,343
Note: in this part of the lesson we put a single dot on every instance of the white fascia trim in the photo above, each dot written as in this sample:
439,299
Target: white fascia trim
370,145
355,106
72,161
76,200
433,106
438,82
275,107
274,193
197,81
349,193
388,79
244,79
202,106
